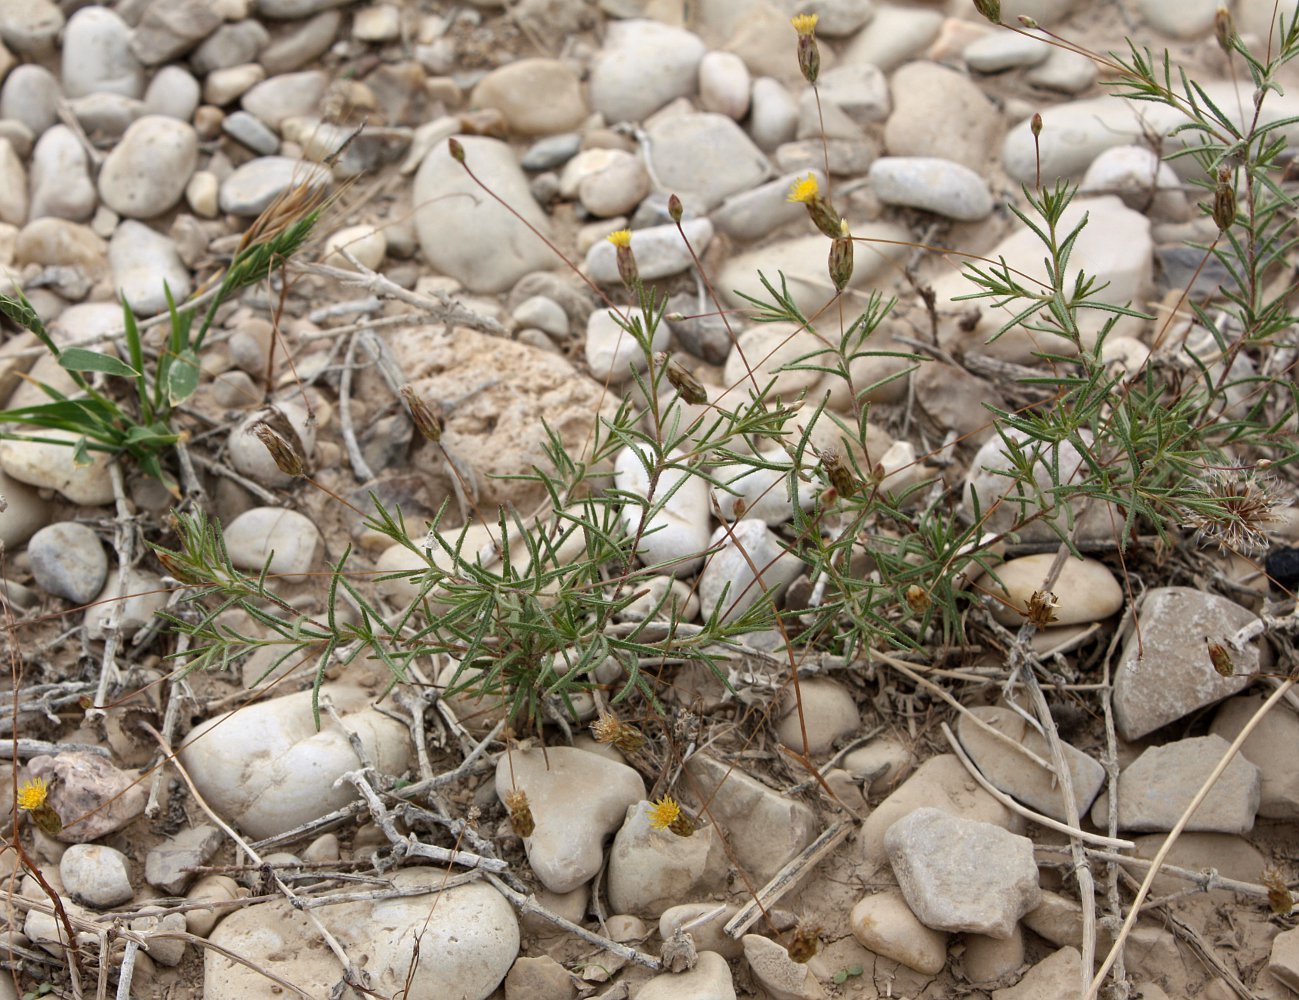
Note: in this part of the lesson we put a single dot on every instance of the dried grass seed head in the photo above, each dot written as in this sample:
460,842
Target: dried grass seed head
1233,509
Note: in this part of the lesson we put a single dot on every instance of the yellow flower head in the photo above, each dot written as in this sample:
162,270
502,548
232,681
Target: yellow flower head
804,24
33,793
664,813
805,189
620,238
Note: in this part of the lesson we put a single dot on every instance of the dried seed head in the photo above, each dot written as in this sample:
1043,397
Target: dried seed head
809,56
428,423
687,386
1232,508
1220,658
837,471
1224,29
918,599
990,9
1279,897
808,191
675,208
1041,608
678,953
516,801
682,825
804,942
840,262
286,449
1224,199
623,735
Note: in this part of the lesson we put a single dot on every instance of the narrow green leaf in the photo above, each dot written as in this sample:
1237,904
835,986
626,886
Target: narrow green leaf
79,359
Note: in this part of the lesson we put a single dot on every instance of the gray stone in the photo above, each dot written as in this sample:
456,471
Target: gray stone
765,828
838,18
145,597
542,313
551,152
724,84
224,86
96,875
894,36
779,975
165,865
289,95
50,465
859,92
1018,775
828,710
963,875
230,45
284,540
1057,975
251,131
703,158
675,534
301,43
942,113
172,92
30,95
710,979
1002,50
145,264
641,67
1087,590
295,9
470,237
701,330
170,28
884,924
97,56
30,27
1156,788
106,117
650,870
660,252
773,115
24,514
1064,70
146,173
1268,748
87,786
752,214
536,96
729,585
577,799
1164,672
259,182
1283,963
943,187
68,560
13,186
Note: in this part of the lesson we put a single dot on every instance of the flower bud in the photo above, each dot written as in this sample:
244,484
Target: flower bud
1036,124
687,386
837,471
1224,199
456,150
841,257
990,9
428,423
809,56
674,208
1224,29
1028,22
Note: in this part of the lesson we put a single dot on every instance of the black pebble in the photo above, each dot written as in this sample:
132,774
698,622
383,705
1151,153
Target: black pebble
1282,566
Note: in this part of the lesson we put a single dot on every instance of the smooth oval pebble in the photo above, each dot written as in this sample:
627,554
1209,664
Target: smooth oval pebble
148,169
943,187
884,924
1086,589
68,560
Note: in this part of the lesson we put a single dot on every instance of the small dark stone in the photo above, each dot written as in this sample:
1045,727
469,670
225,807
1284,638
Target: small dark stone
1282,567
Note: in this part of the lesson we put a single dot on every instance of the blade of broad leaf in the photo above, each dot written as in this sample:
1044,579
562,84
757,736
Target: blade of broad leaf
79,359
182,376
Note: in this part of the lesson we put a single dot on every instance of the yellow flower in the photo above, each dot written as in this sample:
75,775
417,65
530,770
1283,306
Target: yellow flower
620,238
664,813
804,24
804,189
33,793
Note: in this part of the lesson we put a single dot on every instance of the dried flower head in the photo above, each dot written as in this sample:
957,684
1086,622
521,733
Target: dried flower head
1232,508
428,423
623,735
837,471
1220,658
918,599
1224,199
687,386
991,9
804,942
516,801
1224,29
1279,897
286,449
34,799
1041,608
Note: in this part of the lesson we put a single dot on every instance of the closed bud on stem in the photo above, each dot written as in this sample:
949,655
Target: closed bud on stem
841,257
1224,29
456,150
687,386
428,423
1224,199
990,9
837,471
1028,22
1036,124
675,208
809,56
